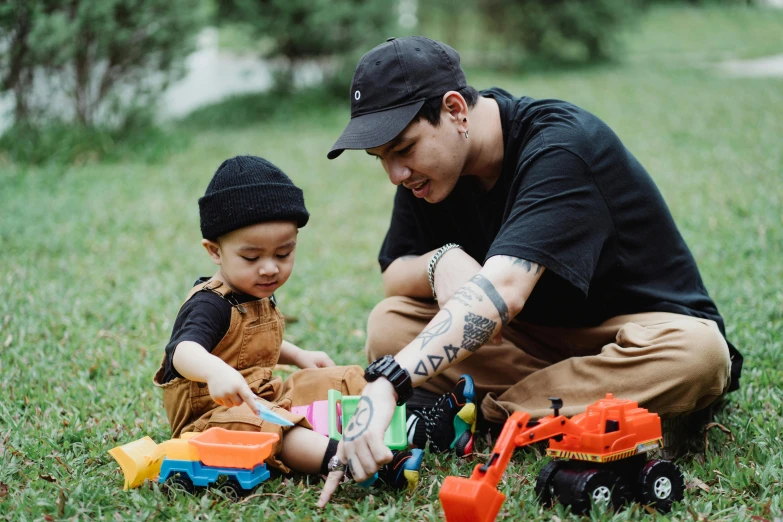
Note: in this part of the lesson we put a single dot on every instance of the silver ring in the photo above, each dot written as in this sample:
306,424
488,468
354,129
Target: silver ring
335,464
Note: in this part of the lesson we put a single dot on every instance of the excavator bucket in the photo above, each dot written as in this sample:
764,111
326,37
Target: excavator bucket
466,500
137,460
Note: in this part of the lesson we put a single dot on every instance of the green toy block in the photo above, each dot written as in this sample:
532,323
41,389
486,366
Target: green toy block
395,438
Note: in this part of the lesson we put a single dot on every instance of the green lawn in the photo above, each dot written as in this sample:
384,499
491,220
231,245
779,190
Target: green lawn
96,259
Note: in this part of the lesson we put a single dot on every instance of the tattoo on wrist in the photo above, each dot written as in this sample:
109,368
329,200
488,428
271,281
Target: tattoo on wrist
477,331
467,296
439,328
360,421
500,305
421,369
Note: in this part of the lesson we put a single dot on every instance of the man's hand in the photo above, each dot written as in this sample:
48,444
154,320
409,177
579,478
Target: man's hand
228,388
454,269
333,480
308,359
362,446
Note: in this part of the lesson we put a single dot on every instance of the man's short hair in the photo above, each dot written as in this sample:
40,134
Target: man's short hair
430,111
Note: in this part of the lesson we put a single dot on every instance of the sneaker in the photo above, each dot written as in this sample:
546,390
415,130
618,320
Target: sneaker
403,471
451,422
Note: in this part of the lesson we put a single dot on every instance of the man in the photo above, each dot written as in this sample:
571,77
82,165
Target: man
555,265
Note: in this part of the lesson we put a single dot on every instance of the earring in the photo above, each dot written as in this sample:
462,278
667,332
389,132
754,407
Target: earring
466,134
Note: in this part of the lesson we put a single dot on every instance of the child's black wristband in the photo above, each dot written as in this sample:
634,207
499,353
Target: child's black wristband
331,449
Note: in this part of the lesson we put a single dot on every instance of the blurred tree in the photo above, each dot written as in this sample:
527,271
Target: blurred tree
107,58
298,30
560,30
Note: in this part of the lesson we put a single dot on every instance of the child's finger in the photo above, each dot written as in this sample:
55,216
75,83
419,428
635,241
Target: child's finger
330,486
250,399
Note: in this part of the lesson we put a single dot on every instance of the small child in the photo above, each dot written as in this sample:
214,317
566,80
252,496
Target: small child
228,335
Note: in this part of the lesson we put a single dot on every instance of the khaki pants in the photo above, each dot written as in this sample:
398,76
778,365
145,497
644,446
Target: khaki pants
669,363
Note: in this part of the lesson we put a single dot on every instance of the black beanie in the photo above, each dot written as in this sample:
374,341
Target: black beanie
246,190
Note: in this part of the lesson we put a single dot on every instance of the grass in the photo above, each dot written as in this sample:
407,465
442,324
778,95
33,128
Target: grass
97,257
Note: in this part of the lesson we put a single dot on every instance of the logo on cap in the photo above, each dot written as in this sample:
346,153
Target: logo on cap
357,95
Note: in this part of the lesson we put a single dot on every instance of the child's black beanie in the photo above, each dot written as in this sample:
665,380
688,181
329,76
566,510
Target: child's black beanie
246,190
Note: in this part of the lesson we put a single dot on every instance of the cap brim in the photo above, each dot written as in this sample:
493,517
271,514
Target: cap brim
375,129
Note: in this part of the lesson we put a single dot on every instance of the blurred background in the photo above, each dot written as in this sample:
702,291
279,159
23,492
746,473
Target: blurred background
115,114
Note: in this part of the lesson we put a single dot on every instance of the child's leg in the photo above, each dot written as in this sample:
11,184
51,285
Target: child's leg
304,450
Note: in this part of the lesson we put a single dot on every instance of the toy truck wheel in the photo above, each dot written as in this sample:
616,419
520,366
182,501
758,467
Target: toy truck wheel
179,482
597,487
545,482
660,485
231,489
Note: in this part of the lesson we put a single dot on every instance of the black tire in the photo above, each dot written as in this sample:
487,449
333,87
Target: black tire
179,482
660,484
231,489
545,482
597,486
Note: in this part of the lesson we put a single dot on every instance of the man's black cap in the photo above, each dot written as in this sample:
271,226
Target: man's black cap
391,83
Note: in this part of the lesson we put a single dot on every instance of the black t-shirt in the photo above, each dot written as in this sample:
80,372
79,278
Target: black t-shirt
572,198
203,319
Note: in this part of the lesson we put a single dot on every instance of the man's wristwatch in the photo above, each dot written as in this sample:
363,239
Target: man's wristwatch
399,377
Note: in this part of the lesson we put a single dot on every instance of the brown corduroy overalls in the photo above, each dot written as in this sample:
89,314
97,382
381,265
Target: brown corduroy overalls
252,346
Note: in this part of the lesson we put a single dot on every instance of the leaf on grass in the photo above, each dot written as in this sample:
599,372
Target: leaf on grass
759,519
3,489
8,340
47,478
63,464
61,504
697,483
721,427
257,495
49,518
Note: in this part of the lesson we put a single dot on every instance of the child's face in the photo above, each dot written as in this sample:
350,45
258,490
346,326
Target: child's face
258,259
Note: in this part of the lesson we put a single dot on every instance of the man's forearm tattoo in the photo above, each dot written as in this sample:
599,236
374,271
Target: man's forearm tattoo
360,420
477,331
483,283
435,330
435,362
467,296
451,352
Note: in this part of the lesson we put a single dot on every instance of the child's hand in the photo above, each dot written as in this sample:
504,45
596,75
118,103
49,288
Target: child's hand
309,359
228,388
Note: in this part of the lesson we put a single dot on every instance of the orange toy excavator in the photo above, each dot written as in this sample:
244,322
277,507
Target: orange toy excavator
600,456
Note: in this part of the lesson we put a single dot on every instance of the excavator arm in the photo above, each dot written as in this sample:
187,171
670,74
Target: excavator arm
477,499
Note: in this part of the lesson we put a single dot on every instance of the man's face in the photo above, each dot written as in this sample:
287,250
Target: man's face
258,259
425,159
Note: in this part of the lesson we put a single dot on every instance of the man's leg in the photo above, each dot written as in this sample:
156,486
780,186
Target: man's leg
671,364
396,321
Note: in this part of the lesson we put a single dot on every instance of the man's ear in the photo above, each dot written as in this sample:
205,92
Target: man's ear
213,249
456,109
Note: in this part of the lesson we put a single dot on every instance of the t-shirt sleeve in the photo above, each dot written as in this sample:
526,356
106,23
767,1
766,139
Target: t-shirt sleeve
558,219
200,320
407,234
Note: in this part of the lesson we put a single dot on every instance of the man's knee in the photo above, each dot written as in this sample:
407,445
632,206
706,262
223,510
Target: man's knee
706,356
390,327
